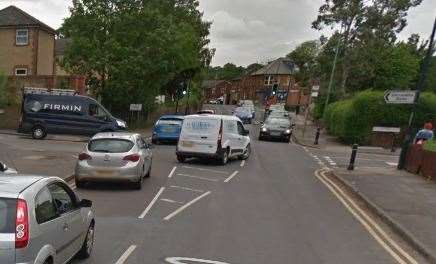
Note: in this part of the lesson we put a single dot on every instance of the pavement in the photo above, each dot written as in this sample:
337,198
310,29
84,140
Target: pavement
272,208
404,201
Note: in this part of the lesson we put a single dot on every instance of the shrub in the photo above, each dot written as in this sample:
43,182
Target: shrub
352,120
430,145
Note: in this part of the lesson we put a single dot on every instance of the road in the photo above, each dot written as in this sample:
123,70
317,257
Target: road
271,209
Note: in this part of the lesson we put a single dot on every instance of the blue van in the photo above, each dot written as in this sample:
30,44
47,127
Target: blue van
55,111
167,129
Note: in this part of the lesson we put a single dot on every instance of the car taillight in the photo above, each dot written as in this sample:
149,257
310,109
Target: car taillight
84,156
132,158
21,225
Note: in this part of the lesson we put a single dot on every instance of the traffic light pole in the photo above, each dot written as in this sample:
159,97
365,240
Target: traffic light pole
419,87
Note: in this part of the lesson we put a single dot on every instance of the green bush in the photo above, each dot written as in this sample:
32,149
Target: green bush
430,145
352,120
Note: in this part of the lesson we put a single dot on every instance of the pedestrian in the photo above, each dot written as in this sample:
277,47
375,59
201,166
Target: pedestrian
424,134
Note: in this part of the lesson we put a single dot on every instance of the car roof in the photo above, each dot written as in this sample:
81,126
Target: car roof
172,117
116,135
216,117
12,186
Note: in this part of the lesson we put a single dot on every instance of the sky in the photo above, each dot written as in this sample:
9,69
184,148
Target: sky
246,31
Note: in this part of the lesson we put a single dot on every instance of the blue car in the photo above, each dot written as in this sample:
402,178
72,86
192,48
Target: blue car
245,114
167,129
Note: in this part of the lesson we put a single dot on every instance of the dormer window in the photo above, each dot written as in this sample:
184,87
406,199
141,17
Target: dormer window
22,37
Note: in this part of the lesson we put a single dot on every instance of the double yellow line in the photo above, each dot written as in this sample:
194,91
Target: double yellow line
368,223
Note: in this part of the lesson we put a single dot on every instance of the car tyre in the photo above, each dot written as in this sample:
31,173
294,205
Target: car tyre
224,157
79,184
181,159
260,138
39,132
148,172
88,244
138,185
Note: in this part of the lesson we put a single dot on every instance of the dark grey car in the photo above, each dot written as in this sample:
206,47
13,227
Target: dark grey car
276,128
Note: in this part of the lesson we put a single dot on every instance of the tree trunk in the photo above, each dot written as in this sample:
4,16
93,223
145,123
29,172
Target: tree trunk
342,89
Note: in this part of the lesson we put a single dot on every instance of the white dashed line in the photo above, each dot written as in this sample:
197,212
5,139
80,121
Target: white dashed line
151,203
231,176
196,177
393,164
182,208
186,188
243,163
201,169
172,172
126,255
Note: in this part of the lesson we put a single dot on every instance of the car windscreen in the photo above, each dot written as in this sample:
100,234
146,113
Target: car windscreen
201,126
7,215
110,145
242,110
169,122
278,122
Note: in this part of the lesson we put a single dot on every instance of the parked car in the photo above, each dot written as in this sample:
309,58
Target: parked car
276,128
206,112
249,104
4,169
114,157
167,129
213,137
245,114
43,221
279,114
54,111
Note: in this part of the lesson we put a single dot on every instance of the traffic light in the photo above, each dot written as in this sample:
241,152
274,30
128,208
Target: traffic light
275,89
182,89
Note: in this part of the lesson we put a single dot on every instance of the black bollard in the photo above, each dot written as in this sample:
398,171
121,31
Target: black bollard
353,157
318,132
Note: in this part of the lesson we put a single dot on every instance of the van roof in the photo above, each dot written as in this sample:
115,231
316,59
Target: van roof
11,186
217,117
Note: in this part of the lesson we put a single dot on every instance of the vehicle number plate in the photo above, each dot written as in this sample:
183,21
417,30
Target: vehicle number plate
104,173
188,144
276,134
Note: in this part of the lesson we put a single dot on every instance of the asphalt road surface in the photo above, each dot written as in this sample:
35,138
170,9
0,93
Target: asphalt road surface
271,209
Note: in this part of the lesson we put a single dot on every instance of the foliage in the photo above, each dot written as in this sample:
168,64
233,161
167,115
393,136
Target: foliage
353,119
430,145
305,57
430,83
3,90
228,72
131,49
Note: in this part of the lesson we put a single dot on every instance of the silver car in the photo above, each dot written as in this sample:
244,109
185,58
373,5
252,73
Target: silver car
42,221
114,157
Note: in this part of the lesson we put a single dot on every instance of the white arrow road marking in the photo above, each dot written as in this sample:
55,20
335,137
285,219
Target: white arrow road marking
178,260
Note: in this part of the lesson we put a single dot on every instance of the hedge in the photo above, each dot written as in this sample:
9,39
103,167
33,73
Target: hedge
352,120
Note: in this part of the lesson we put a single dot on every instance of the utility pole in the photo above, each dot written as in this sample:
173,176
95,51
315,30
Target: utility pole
419,86
187,98
332,75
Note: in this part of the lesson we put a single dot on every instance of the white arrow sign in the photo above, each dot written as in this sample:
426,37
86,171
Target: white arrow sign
400,97
179,260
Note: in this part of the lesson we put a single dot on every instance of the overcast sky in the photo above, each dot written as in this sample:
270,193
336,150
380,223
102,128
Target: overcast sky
246,31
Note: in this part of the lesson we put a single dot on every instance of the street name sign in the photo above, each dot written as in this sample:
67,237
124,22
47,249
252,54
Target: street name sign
136,107
315,94
387,129
400,97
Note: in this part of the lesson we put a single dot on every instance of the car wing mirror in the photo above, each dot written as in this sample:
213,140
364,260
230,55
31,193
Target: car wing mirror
246,132
3,167
85,203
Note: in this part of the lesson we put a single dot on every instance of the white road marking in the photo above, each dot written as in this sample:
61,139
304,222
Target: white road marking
231,176
151,203
182,208
171,201
172,172
186,189
196,177
126,255
371,226
202,169
243,163
393,164
178,260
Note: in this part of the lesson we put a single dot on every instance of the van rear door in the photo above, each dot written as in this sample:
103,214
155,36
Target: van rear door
200,135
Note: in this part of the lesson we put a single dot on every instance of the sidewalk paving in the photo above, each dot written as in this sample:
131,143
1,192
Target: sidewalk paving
407,202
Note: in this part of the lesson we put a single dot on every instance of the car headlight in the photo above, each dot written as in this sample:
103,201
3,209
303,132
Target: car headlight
288,131
121,124
264,129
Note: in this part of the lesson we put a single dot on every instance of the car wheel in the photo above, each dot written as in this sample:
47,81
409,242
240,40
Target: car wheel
224,157
79,184
88,244
247,153
138,185
181,159
39,132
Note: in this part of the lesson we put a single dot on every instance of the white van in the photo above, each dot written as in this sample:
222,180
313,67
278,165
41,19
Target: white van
213,136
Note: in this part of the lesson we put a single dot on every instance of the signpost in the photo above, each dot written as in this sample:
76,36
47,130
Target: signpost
400,97
136,107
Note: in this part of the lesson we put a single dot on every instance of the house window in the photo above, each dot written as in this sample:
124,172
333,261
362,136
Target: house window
21,71
269,80
22,37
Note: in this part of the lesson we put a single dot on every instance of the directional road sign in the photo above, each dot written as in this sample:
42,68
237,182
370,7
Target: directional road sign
400,97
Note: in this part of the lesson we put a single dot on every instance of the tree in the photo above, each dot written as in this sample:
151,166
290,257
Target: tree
253,68
305,57
430,83
228,72
363,24
131,49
